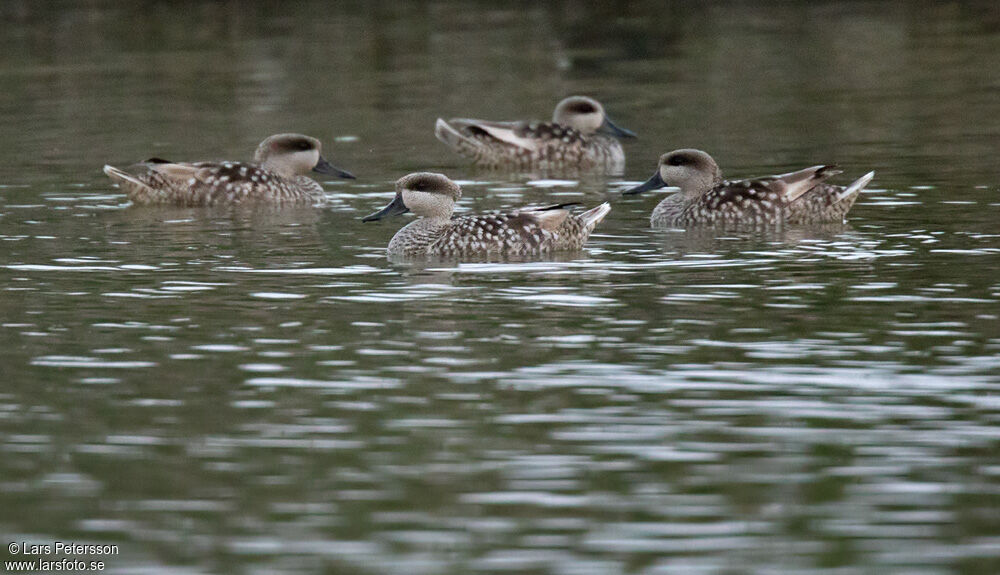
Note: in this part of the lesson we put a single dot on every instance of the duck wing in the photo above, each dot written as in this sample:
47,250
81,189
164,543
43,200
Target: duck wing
793,185
515,134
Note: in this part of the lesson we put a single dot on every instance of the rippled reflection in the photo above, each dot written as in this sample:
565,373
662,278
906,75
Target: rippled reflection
258,390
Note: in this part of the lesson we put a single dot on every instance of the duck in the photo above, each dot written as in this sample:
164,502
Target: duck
527,231
580,137
277,175
801,197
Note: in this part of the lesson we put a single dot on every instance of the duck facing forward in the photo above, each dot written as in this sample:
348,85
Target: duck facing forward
524,232
580,137
276,176
800,197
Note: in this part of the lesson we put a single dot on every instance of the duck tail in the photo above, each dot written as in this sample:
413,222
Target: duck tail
855,187
800,182
132,186
127,182
450,136
120,177
593,216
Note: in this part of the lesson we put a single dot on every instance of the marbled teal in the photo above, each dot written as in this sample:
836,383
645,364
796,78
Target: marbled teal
522,232
276,176
580,138
800,197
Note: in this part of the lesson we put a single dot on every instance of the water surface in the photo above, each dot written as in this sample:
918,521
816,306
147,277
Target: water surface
250,391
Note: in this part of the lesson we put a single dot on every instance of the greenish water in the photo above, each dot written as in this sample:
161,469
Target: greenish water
262,391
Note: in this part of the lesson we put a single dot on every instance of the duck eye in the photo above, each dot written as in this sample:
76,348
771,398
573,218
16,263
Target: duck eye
676,160
302,145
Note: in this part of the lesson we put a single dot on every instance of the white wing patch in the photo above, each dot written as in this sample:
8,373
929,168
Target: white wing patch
508,135
551,219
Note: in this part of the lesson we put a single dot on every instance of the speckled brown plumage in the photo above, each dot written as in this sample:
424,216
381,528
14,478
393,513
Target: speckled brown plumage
552,147
511,234
580,138
276,177
212,184
825,203
705,199
748,202
524,232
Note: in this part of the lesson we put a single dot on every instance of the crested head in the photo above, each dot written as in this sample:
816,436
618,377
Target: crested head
587,116
693,171
285,145
295,155
424,193
581,113
288,154
429,183
427,194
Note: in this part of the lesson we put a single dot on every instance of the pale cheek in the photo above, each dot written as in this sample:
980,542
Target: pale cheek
415,202
309,160
679,176
588,124
302,162
424,204
418,203
595,121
